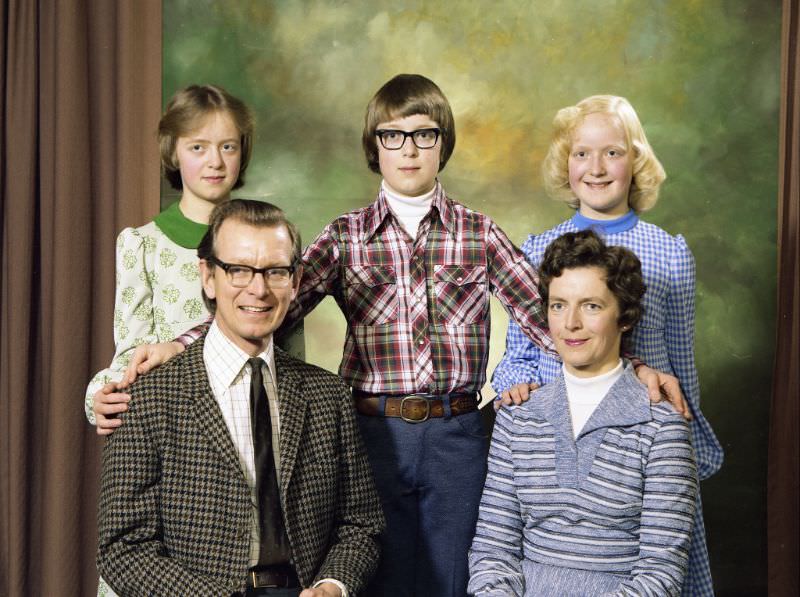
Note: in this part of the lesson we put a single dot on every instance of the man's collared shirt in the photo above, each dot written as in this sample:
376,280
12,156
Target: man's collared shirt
229,377
418,309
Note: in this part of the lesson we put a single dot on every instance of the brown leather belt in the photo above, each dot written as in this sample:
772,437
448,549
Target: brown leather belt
279,577
415,408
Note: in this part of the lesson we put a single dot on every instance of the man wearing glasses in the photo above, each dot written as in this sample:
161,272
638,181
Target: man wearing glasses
239,470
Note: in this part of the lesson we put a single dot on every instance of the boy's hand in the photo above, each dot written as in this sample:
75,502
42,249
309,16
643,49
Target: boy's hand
150,356
107,403
661,385
515,395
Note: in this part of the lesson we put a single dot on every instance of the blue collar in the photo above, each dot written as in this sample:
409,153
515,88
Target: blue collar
621,224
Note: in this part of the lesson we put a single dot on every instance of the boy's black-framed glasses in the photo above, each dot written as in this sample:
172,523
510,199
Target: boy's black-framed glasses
422,138
240,276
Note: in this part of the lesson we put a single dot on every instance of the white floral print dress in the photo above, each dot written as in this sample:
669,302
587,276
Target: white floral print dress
158,294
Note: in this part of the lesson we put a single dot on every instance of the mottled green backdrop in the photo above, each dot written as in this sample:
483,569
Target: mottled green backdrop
703,75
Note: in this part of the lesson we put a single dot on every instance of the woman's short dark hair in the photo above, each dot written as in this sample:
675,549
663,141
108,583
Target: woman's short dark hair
185,112
259,214
623,270
407,95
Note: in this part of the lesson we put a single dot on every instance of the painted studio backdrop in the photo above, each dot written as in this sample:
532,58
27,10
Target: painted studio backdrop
703,77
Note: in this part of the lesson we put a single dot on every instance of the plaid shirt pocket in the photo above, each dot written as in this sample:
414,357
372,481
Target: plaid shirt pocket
371,294
461,294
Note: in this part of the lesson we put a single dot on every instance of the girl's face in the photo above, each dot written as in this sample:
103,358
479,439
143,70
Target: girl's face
209,158
601,167
409,171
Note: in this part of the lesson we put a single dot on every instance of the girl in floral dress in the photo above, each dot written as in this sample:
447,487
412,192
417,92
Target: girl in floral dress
206,139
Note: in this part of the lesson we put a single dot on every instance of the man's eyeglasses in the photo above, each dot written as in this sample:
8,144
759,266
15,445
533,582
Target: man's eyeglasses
240,276
422,138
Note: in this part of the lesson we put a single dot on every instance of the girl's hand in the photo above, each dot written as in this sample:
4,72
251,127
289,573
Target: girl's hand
662,385
107,404
150,356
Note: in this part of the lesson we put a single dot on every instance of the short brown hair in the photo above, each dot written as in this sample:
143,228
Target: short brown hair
184,112
623,271
259,214
648,173
407,95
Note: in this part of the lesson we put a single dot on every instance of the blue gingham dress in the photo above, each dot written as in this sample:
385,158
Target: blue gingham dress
664,339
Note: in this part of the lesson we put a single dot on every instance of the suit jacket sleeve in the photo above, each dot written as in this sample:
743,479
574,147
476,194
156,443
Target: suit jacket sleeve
354,551
131,556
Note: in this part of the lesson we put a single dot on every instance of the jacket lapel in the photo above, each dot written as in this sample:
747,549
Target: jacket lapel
293,408
206,410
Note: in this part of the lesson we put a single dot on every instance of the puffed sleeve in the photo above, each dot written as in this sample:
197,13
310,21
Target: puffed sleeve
679,336
135,319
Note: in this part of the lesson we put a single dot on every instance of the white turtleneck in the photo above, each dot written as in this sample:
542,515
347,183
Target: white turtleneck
409,210
584,394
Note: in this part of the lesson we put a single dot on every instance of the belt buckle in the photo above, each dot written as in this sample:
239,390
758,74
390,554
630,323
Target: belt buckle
419,398
257,584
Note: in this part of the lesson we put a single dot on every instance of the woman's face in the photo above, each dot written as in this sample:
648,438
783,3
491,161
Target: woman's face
601,167
583,314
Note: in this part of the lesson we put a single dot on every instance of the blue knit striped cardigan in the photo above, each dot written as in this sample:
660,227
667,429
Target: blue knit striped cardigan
608,513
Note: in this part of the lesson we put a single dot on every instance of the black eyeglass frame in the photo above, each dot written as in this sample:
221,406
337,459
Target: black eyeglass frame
437,132
264,271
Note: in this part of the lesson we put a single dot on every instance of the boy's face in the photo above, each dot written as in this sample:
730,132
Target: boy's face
409,171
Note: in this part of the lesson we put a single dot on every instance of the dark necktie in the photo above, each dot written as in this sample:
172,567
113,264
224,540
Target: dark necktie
274,546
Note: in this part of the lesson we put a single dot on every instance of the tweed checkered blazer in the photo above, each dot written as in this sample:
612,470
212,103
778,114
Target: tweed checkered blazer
174,514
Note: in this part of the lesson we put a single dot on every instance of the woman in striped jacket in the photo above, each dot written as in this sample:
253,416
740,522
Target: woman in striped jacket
591,487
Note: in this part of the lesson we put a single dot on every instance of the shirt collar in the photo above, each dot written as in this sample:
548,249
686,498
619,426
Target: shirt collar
225,361
620,224
180,229
380,211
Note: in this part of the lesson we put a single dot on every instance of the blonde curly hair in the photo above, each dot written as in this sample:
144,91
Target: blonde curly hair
648,173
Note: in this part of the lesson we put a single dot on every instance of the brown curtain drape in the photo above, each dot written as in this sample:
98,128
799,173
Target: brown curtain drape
80,99
783,497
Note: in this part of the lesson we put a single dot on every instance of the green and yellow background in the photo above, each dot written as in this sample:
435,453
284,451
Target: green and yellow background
702,74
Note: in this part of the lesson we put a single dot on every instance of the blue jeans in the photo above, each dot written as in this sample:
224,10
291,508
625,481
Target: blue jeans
430,478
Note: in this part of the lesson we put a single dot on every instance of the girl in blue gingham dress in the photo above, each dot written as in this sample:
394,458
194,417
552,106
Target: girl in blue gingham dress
602,165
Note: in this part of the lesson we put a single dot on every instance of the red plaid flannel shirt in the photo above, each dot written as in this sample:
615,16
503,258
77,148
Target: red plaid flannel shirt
418,309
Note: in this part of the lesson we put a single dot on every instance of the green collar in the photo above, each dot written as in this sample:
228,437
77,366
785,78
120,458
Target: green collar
179,229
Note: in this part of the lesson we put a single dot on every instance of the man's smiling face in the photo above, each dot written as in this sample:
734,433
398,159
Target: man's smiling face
248,316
